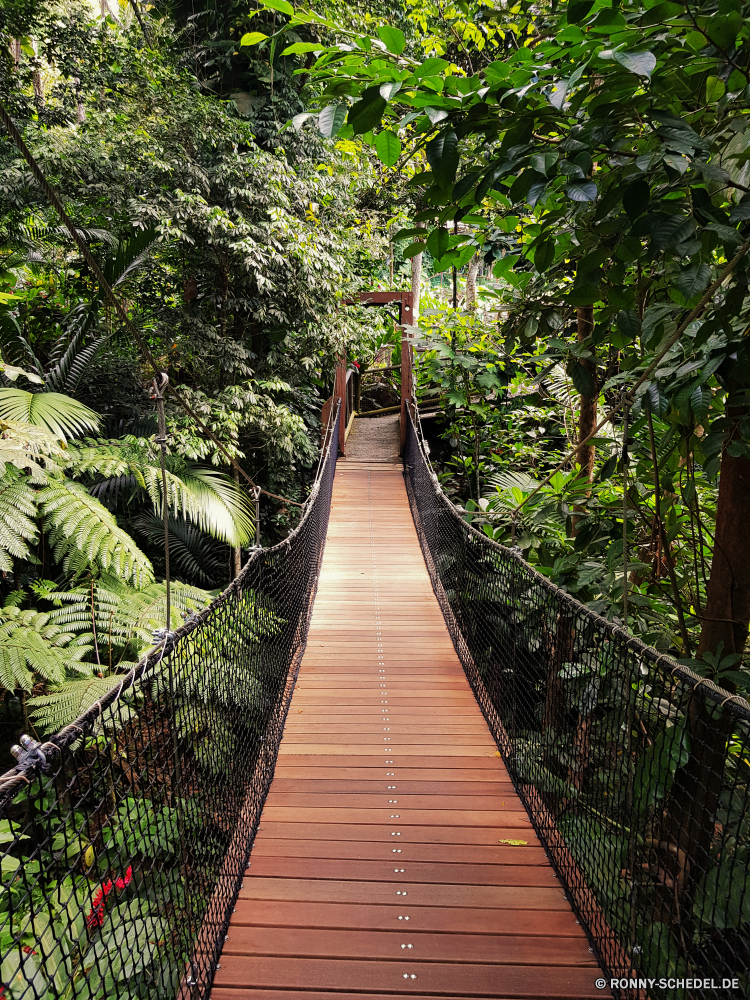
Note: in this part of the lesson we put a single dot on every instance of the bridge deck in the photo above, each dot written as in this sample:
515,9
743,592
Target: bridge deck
382,865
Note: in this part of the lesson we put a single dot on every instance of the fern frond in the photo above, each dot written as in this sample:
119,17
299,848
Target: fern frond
121,614
63,705
22,445
31,644
83,532
17,507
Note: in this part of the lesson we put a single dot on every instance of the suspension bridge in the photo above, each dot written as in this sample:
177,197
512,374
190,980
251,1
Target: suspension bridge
391,759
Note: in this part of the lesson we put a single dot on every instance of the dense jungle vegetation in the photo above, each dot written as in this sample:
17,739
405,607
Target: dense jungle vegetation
564,186
567,184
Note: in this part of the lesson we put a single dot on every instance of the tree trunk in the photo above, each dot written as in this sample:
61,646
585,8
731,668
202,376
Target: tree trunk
471,283
36,81
691,814
587,413
15,51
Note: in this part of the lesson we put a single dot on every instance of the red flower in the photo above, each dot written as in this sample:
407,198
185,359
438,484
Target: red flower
96,916
120,883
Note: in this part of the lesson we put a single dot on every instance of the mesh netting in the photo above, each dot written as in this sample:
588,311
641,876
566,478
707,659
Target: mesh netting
634,770
124,845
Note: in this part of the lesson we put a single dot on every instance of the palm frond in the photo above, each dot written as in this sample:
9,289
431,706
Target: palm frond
84,533
131,256
222,509
507,480
71,367
30,235
59,415
15,347
191,554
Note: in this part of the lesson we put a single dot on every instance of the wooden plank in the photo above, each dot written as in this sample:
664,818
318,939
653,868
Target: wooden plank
489,768
487,980
384,798
404,833
230,993
406,894
383,851
375,917
311,786
399,870
466,948
405,749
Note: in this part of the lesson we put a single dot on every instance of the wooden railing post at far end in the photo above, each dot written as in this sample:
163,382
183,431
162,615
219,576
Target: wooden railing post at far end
339,392
407,377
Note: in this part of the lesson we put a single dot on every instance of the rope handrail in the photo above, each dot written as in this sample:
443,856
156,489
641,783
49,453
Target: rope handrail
136,820
634,769
634,643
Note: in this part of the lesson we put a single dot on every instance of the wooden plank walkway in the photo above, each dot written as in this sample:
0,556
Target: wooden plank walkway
380,867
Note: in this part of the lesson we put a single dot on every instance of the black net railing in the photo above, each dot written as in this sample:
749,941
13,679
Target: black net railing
125,837
634,770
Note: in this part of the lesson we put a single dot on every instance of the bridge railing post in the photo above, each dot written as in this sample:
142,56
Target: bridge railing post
339,392
407,374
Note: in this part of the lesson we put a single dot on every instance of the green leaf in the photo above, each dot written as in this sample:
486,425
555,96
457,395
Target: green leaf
700,402
715,89
413,249
299,47
657,764
635,198
442,155
543,162
693,280
544,255
431,67
299,120
388,90
438,242
282,5
653,400
368,111
628,328
582,379
253,38
581,191
661,12
392,38
578,10
722,29
331,119
388,147
640,63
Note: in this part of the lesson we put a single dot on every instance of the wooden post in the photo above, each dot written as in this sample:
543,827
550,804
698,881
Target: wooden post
339,392
406,366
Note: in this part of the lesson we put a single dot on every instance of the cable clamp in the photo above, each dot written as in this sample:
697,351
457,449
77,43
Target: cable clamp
162,635
30,754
